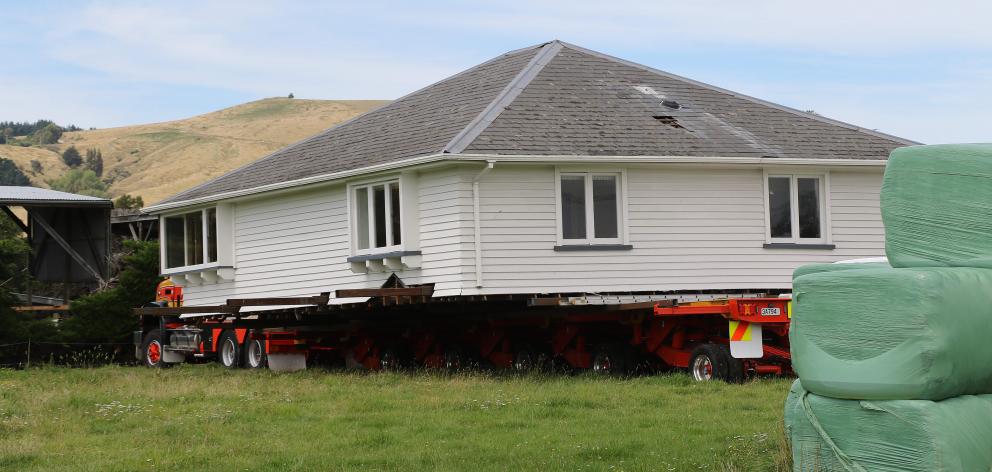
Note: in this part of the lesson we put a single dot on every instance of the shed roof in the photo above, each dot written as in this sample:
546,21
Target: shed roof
559,99
34,196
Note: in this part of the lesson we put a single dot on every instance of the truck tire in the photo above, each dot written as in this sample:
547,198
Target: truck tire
709,362
254,350
735,367
228,350
611,359
152,349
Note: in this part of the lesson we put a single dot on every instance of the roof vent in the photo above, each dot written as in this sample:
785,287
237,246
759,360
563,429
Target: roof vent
671,104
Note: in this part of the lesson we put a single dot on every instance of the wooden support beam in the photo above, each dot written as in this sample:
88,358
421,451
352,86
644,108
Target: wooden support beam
182,310
67,247
422,291
42,308
318,300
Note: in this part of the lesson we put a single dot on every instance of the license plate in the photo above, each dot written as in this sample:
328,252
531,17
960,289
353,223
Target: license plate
771,311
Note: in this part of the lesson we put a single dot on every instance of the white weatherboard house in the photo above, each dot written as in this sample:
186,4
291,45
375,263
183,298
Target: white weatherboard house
550,169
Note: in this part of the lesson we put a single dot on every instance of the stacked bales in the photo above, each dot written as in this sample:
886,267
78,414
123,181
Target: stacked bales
895,363
937,206
829,434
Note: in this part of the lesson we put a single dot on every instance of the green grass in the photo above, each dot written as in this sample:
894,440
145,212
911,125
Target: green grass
202,417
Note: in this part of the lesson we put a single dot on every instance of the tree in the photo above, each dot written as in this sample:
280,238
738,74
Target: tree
106,316
11,175
81,181
36,167
50,134
290,96
94,161
3,139
128,202
71,157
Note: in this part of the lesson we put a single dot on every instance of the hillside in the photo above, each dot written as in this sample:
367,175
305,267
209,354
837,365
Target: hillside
161,159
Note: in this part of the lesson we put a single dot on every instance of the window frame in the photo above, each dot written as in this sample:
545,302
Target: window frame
205,241
622,237
391,246
823,189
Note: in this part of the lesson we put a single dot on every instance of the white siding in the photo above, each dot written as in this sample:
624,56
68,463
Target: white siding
691,228
297,244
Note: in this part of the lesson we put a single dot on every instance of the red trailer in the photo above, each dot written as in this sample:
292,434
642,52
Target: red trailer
718,337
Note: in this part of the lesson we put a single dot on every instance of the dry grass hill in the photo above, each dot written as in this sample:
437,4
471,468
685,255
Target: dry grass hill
161,159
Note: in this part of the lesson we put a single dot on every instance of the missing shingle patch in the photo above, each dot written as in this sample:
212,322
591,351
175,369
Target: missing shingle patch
669,120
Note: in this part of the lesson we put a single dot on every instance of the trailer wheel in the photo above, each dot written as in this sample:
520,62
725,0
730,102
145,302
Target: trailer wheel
255,357
735,367
708,362
228,350
152,349
611,359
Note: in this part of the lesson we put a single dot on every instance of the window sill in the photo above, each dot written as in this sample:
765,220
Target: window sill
593,247
383,261
200,274
799,246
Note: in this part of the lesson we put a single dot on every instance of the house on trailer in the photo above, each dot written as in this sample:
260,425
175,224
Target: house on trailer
549,169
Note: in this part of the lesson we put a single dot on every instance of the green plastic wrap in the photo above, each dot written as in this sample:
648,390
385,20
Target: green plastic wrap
937,206
817,268
888,334
830,435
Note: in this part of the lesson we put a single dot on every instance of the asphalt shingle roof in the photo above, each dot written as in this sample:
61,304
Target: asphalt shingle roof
560,99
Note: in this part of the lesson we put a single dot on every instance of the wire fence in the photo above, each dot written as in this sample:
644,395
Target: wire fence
24,354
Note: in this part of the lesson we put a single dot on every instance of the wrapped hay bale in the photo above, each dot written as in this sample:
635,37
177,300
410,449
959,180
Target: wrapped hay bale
893,333
937,206
828,434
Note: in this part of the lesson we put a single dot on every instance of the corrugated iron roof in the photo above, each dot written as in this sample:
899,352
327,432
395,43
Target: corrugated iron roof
559,99
18,196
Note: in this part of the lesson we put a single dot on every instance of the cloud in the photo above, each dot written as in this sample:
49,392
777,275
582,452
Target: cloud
874,63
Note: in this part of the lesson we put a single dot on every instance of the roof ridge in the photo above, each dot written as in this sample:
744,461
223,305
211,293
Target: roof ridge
504,98
320,134
759,101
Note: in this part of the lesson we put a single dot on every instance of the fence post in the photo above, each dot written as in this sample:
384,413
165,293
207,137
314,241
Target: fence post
28,364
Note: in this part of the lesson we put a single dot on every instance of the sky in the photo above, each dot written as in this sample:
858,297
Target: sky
921,70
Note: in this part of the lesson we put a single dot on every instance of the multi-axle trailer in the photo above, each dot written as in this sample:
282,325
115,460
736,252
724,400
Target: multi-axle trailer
714,336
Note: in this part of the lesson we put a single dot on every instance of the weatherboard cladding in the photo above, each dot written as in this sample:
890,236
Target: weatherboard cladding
559,99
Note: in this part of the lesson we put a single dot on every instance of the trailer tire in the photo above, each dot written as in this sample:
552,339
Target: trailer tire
254,351
229,350
611,359
152,349
735,367
709,362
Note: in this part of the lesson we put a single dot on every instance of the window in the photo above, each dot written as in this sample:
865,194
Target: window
377,217
191,238
796,208
590,207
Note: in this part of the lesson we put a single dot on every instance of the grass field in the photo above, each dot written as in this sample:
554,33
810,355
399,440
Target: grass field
202,417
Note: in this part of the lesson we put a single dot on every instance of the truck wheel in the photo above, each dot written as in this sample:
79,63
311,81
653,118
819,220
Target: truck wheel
735,367
228,350
255,353
611,359
708,362
152,349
